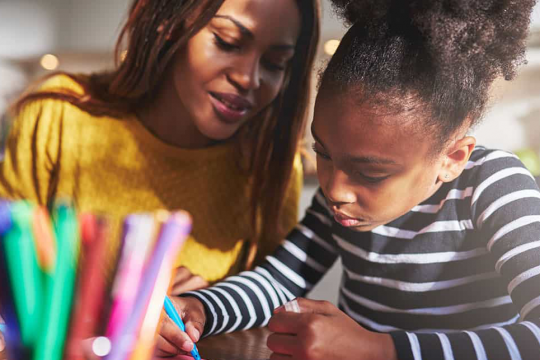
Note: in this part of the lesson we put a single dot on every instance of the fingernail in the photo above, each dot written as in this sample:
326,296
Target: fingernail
292,306
187,345
278,309
196,334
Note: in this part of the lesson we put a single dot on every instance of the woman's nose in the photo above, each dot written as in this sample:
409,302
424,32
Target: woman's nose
246,73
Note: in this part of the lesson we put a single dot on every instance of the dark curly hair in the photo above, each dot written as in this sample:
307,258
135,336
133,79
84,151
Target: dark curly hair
436,58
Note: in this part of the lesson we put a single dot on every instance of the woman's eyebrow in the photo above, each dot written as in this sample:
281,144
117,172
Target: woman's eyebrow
245,31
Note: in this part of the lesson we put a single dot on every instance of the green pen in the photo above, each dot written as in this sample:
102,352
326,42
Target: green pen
59,296
24,272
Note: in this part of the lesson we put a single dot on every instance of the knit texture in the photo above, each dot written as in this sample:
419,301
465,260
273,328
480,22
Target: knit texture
115,166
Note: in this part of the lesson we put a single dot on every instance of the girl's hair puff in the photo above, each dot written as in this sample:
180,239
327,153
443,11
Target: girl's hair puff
435,58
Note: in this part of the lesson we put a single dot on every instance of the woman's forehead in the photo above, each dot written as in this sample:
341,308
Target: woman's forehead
260,16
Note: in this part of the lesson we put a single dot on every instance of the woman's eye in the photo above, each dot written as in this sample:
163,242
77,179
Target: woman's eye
222,44
273,66
320,153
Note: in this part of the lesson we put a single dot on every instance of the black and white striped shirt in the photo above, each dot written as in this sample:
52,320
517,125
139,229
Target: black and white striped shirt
457,277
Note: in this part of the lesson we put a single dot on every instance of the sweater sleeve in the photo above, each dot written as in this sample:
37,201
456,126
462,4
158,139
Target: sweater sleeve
505,208
247,300
31,152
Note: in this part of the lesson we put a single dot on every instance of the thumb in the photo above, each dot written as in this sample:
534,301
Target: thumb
194,318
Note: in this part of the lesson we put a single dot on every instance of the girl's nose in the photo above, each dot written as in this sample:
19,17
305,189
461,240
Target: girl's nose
337,189
246,74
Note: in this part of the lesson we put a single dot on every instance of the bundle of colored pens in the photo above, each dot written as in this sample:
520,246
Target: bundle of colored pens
58,298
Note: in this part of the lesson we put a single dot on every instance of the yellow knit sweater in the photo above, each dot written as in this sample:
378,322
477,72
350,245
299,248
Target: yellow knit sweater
116,166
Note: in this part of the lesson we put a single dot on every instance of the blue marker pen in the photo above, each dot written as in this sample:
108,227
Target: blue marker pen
171,311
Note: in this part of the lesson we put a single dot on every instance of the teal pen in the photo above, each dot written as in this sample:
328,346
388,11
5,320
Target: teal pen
171,311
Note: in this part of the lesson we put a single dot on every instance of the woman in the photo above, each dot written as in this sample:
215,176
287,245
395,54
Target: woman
204,113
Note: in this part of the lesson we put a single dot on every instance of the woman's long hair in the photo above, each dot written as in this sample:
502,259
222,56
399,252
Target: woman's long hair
153,33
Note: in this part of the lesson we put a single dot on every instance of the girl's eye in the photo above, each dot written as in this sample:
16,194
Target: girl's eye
222,44
372,179
319,153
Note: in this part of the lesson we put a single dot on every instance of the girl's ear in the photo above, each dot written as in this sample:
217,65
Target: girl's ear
456,158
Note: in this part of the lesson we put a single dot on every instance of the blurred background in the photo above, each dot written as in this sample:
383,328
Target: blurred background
39,36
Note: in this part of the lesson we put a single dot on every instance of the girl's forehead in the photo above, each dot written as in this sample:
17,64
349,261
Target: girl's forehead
345,126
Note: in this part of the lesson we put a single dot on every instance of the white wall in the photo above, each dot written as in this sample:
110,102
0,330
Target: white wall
90,25
27,28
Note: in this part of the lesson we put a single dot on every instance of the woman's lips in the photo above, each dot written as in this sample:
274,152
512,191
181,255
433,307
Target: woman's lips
230,107
347,221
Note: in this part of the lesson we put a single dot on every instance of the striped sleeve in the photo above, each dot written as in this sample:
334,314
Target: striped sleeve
248,299
505,207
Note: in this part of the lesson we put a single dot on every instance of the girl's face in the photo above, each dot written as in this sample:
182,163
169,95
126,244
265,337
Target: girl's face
372,168
235,66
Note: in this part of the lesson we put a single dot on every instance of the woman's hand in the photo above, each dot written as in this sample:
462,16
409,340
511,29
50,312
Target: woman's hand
173,341
321,331
184,281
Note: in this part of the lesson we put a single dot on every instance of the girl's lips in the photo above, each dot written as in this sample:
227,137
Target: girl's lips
228,111
346,221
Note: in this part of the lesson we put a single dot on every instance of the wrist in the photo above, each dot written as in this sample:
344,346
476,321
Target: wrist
386,349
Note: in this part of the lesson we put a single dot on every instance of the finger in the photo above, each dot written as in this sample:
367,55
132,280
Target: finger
192,283
316,306
194,319
287,322
181,274
192,329
291,306
282,344
172,333
165,348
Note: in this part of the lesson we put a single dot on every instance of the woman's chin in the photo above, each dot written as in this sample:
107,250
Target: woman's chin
219,133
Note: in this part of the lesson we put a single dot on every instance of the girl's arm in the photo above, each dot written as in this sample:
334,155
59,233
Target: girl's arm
505,208
247,300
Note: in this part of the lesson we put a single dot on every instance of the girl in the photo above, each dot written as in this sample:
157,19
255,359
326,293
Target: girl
209,99
439,239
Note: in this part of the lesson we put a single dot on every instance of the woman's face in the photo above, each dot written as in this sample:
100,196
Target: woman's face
372,168
235,66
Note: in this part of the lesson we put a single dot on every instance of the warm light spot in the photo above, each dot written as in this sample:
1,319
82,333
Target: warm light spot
101,346
49,62
331,46
123,55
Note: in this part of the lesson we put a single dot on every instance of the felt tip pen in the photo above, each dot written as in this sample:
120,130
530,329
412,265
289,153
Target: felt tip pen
171,311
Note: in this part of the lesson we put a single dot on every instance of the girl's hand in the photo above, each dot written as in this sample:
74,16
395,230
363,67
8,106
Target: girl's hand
173,341
184,281
321,331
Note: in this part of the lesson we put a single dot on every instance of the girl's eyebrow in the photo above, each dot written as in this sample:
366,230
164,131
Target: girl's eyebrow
359,159
245,31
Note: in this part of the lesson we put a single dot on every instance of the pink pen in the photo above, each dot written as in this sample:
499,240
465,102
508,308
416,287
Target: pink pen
138,239
171,238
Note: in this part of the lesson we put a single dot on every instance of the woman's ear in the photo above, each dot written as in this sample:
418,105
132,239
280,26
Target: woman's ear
456,158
